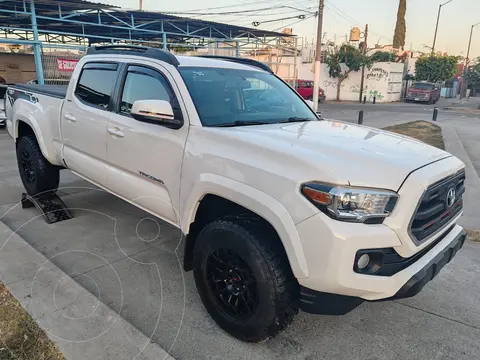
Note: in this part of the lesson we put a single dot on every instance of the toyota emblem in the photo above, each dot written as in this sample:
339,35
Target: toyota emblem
451,195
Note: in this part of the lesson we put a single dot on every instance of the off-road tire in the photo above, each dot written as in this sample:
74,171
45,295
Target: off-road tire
259,247
41,178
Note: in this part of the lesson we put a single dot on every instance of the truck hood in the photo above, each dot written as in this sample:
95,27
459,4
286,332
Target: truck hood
360,155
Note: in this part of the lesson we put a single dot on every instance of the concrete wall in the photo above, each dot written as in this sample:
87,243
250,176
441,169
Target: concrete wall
383,80
17,68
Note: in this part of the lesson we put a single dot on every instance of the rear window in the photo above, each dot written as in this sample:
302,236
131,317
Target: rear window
96,83
422,86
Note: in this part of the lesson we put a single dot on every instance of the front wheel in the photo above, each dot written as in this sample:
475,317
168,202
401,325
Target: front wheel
38,175
244,279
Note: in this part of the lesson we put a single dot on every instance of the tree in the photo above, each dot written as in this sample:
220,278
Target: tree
342,61
472,76
383,56
436,68
400,27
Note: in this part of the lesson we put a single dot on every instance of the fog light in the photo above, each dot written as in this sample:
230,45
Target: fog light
363,261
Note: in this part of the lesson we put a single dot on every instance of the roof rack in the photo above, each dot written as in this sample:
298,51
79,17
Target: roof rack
244,61
144,51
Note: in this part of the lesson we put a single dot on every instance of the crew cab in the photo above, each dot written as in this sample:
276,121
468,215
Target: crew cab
279,210
423,92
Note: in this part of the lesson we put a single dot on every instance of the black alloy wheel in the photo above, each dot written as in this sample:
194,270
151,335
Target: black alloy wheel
27,167
232,283
244,278
39,177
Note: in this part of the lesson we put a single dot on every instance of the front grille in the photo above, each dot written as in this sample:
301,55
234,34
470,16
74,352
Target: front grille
417,95
438,206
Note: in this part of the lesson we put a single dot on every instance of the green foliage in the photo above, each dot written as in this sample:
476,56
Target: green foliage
400,27
353,60
348,55
383,56
472,75
436,68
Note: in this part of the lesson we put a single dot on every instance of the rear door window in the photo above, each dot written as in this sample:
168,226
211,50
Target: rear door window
96,84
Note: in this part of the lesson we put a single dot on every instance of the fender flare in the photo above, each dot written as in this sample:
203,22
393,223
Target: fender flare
30,121
256,201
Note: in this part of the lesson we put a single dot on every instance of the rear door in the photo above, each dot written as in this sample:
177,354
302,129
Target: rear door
145,159
84,121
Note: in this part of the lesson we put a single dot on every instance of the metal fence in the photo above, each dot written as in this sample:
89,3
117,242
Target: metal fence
59,62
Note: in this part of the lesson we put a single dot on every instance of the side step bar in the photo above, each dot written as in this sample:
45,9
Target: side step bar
52,207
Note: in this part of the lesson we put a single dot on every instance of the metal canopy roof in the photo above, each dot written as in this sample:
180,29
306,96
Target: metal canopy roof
98,22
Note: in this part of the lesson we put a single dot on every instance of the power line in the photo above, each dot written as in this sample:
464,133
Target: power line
346,16
351,20
293,23
222,13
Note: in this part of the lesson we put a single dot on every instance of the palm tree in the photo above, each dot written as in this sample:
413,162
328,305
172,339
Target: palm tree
400,27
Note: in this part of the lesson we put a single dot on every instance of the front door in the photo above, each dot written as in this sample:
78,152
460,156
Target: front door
145,159
84,121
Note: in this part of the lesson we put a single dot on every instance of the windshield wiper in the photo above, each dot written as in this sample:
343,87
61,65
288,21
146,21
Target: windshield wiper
241,123
296,119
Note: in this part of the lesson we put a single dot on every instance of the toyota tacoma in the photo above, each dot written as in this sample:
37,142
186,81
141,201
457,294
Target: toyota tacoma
280,210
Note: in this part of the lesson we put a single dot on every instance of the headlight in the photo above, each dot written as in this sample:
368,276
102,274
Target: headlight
346,203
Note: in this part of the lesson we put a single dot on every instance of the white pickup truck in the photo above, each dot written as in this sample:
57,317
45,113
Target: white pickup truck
280,210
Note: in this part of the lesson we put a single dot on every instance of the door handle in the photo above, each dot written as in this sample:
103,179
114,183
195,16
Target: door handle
69,117
116,132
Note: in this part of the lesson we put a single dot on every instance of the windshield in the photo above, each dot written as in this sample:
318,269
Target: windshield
422,86
230,96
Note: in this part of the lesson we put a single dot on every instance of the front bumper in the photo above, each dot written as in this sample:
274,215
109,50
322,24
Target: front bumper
417,99
424,270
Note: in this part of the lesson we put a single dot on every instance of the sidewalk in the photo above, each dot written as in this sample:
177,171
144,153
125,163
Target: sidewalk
454,145
471,103
74,318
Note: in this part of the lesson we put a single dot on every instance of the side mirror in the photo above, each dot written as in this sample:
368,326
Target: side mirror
155,111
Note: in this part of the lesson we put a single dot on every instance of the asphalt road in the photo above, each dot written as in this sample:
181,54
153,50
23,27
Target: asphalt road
129,262
348,111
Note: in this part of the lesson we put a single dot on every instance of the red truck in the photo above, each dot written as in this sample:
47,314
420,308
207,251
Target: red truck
305,89
423,92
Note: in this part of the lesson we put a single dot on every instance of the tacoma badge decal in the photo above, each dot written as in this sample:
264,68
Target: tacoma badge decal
151,177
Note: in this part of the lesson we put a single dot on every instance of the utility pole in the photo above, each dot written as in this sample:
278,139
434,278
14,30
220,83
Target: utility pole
363,67
436,27
463,93
318,55
140,5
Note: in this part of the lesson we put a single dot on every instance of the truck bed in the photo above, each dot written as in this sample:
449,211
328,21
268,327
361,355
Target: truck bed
58,91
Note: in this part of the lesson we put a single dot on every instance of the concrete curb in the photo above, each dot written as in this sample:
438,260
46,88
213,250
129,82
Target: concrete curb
81,326
454,145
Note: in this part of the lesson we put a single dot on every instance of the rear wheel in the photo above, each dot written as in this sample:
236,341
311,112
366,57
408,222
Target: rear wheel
244,279
39,177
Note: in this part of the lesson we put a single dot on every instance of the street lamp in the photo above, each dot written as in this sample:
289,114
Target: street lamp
470,42
465,87
436,27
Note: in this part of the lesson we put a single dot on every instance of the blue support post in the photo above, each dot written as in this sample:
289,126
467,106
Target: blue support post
237,49
37,47
164,41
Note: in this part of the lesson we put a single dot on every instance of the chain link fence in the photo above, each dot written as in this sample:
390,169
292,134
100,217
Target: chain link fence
59,63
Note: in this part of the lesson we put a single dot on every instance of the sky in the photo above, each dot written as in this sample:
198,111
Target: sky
340,16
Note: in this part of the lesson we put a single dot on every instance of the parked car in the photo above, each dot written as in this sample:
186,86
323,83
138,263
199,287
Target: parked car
423,92
279,210
3,99
305,89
